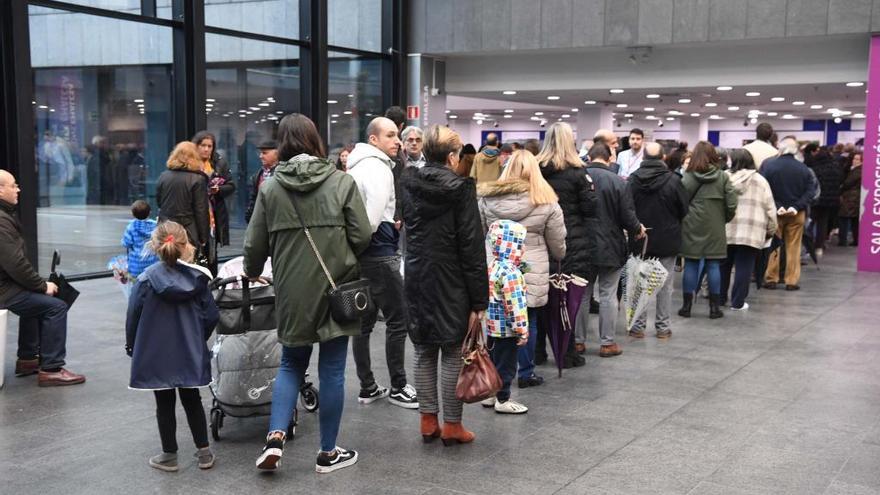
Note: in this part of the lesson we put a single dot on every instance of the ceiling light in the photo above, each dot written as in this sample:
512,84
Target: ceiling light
508,116
628,115
715,117
675,112
334,121
332,102
711,104
652,96
649,109
833,110
684,100
574,109
264,104
788,116
798,103
724,88
815,107
539,113
695,115
858,116
453,116
210,100
449,111
615,91
590,102
334,116
650,117
351,96
733,108
139,100
621,105
534,118
777,98
347,112
242,115
554,98
254,109
508,110
279,112
209,105
272,100
565,116
855,84
753,93
670,118
480,122
772,114
509,92
846,112
753,120
249,112
837,120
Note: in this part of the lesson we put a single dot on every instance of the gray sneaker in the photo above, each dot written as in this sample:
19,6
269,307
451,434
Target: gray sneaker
206,458
164,462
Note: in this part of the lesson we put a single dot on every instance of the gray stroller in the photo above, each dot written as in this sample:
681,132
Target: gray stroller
246,355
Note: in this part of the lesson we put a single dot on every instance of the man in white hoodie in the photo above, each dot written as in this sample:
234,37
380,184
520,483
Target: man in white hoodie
370,164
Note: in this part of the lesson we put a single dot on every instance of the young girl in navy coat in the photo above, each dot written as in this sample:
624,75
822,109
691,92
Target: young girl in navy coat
171,314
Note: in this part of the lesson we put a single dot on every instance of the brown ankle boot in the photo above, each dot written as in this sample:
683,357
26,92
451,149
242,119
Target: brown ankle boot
430,428
454,433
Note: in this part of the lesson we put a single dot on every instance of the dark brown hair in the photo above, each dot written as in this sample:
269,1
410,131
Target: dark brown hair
140,209
201,136
704,158
297,134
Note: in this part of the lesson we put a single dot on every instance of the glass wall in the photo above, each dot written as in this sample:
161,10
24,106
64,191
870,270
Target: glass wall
103,122
355,24
272,17
355,98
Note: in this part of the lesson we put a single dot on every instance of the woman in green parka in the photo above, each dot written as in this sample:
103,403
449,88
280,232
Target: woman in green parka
703,237
332,209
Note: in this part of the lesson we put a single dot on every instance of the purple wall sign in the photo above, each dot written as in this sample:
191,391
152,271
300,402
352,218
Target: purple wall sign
869,221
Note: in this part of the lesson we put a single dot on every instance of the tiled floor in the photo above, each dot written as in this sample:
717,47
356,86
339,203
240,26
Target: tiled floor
782,399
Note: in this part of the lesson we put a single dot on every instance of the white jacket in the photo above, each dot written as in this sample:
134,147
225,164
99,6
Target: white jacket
371,170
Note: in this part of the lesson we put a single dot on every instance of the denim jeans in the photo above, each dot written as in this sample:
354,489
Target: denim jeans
331,394
743,259
386,286
42,327
526,353
690,280
503,351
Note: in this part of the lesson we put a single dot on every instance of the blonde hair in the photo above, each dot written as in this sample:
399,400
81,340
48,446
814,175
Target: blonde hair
440,141
185,157
170,242
524,166
559,149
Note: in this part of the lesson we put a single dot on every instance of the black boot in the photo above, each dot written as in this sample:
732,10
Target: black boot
715,306
685,310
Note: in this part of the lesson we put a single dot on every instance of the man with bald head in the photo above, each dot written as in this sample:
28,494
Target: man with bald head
42,325
661,205
610,139
487,163
371,164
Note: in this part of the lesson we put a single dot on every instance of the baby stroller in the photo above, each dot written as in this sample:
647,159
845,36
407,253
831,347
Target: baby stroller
246,354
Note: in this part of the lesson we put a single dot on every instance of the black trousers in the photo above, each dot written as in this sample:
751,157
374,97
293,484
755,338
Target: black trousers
167,419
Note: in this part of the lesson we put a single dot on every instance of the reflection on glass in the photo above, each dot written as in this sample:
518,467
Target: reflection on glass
163,7
272,17
355,24
355,98
250,86
102,132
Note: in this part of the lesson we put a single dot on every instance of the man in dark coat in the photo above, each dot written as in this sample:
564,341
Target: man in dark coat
268,160
830,176
661,204
42,327
614,214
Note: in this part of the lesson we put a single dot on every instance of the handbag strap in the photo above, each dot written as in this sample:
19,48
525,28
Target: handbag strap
290,195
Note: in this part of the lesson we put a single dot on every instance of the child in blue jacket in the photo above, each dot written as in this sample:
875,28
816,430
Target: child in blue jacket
137,235
171,314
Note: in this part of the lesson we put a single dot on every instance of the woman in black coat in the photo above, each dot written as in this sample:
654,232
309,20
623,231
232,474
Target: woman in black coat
181,193
830,177
446,282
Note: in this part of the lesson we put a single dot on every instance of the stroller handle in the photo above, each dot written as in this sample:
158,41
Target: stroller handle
222,282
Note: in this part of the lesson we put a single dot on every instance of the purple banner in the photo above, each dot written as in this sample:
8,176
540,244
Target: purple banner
869,220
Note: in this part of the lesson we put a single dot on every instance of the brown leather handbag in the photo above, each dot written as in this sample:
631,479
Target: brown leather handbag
478,379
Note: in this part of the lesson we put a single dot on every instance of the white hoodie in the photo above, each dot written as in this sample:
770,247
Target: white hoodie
371,169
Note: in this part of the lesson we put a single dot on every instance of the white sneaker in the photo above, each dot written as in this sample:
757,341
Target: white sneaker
490,402
510,407
744,308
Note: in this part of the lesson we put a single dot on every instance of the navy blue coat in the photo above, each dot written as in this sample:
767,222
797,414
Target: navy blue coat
171,314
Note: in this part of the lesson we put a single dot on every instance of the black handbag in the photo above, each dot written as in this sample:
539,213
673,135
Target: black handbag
350,301
243,309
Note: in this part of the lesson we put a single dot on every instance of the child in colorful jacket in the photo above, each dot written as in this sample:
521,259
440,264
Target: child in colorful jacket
507,321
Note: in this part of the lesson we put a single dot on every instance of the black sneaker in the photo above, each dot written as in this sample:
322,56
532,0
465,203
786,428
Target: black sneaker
270,459
404,397
370,396
532,381
340,458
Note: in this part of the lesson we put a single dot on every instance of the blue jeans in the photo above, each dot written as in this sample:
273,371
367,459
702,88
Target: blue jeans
526,353
42,327
743,258
690,280
331,372
503,352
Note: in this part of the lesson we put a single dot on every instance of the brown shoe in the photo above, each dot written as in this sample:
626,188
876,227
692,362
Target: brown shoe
580,348
454,433
792,287
769,285
664,335
25,367
59,378
430,427
637,334
610,350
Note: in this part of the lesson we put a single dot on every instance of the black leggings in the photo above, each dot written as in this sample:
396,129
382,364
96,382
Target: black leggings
167,419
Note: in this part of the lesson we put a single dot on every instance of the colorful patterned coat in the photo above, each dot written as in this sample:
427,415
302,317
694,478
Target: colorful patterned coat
507,314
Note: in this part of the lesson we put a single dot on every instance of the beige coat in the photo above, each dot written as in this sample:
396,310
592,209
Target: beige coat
755,219
509,200
760,151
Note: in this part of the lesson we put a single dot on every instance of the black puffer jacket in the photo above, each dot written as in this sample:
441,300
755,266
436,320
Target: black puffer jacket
16,272
183,197
446,274
830,177
577,198
614,214
661,204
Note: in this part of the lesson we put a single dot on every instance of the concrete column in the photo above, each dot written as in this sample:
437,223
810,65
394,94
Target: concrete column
427,89
693,129
590,120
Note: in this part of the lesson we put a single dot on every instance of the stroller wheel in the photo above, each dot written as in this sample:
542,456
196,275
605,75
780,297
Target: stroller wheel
291,428
309,397
216,423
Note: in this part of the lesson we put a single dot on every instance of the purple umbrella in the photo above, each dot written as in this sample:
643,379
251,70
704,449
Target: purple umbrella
564,302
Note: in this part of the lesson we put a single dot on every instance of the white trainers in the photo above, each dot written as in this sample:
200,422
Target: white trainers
744,308
490,402
510,407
